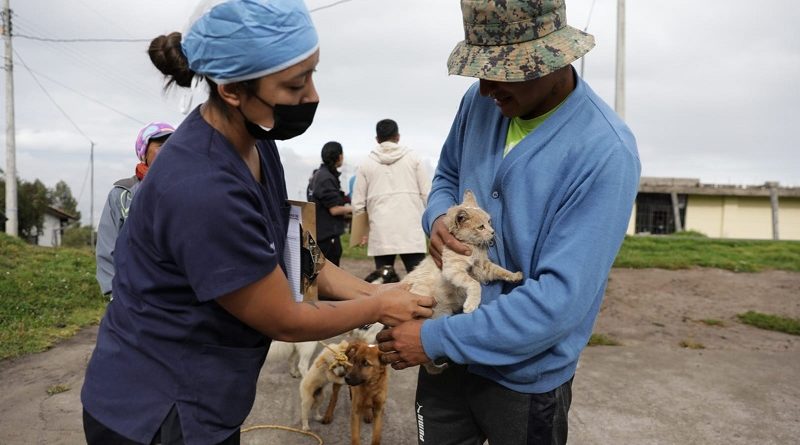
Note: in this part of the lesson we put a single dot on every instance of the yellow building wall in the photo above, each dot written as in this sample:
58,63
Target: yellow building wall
704,214
741,217
752,218
789,218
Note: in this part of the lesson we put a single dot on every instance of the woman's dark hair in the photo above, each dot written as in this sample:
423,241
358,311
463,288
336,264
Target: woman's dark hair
330,154
167,56
386,129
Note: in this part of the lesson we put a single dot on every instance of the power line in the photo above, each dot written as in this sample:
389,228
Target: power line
589,18
36,79
46,39
89,62
115,40
89,98
329,5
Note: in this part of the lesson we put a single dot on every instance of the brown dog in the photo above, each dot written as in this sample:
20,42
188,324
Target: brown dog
369,383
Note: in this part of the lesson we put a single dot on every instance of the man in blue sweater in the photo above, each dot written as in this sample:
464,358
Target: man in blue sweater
558,171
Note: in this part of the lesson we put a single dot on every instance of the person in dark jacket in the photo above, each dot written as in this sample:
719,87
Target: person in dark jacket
325,190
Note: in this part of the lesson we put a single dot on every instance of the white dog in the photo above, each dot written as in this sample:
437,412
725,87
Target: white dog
330,366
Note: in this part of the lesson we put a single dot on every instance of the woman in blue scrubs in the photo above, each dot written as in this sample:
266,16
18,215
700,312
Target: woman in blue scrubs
200,288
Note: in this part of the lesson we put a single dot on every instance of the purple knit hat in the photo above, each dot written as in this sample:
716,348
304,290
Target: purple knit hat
150,131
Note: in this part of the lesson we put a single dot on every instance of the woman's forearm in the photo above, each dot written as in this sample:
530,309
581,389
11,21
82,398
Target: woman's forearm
340,210
335,283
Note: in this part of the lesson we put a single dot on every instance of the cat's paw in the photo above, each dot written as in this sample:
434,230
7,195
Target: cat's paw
516,277
470,306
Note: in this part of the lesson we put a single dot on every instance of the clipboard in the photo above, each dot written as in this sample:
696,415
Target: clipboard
359,227
302,256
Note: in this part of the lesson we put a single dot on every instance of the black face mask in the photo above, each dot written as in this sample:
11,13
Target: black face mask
290,121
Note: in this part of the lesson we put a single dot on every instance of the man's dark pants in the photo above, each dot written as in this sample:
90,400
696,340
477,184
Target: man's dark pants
460,408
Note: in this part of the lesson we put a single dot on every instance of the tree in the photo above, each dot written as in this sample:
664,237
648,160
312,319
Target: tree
61,198
77,236
32,202
33,198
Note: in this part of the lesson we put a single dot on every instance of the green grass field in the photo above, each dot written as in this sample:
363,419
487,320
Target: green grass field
682,252
48,294
45,295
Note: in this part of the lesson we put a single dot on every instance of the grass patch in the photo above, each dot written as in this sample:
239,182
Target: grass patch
57,389
691,344
687,250
46,294
712,322
355,253
771,322
683,251
602,340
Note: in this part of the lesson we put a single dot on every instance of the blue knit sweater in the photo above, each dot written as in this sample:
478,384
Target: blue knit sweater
560,203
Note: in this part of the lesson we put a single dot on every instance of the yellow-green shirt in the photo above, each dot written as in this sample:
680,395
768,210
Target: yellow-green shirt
518,128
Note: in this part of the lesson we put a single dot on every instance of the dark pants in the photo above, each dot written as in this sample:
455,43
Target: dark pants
459,408
410,260
332,249
169,434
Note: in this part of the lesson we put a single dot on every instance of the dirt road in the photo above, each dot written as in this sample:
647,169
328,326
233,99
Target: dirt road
740,389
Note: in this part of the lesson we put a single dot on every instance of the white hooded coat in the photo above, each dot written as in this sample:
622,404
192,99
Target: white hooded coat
393,186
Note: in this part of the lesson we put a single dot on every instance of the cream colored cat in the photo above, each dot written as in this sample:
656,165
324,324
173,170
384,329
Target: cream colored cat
457,285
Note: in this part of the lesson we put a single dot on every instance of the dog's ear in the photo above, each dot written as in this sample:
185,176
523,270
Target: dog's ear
351,351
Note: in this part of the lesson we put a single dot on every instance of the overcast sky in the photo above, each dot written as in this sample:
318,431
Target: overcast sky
711,86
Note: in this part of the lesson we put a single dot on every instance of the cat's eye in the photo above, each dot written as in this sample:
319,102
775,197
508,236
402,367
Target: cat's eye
481,227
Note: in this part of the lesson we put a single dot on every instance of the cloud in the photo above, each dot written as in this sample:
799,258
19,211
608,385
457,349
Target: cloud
710,86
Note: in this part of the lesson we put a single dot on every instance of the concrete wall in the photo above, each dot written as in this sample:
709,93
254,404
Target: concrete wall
742,217
789,218
704,214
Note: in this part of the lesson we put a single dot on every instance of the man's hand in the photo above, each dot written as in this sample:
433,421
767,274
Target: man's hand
441,237
398,305
402,345
363,241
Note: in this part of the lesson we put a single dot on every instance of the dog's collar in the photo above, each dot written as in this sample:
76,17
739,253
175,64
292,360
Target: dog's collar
339,357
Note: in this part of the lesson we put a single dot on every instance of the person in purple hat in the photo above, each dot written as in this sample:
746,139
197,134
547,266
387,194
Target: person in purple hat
200,289
115,212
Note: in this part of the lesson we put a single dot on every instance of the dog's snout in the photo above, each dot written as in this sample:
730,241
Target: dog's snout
353,380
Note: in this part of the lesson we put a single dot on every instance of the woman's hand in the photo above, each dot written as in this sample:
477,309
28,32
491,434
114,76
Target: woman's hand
441,237
398,305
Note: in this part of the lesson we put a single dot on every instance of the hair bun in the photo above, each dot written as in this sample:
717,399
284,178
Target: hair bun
167,55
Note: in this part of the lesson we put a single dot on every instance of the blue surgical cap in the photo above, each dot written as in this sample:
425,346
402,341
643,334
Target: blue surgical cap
245,39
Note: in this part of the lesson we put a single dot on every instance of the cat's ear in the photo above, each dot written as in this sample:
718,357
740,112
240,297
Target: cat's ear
469,198
461,216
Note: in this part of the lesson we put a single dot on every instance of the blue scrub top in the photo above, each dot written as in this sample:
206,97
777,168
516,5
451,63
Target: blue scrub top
200,227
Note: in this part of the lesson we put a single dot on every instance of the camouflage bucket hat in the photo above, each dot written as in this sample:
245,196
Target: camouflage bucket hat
516,40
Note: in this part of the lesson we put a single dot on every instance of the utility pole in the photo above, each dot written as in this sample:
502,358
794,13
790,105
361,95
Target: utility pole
12,211
619,97
91,196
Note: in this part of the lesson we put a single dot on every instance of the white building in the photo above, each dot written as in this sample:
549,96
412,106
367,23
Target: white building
53,227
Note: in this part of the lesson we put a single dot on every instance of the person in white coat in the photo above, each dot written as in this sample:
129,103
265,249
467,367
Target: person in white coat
392,185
